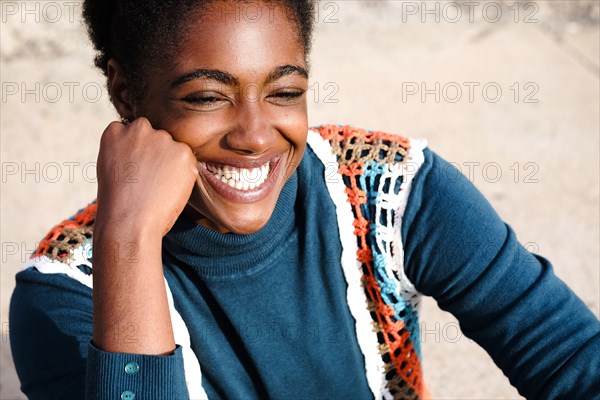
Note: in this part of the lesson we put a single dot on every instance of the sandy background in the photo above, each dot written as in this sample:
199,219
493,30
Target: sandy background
367,58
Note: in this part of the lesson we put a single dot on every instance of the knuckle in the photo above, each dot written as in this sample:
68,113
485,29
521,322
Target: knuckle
185,153
163,134
113,129
141,122
114,125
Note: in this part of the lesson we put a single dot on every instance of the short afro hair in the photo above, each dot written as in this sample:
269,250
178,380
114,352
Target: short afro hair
138,33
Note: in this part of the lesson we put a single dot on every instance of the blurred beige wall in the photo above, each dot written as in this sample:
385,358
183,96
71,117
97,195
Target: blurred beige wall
508,91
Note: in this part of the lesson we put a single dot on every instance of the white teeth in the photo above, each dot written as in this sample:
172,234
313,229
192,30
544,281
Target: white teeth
253,175
240,178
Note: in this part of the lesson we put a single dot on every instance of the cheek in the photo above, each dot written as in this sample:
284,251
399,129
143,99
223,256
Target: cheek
186,126
197,131
297,140
294,124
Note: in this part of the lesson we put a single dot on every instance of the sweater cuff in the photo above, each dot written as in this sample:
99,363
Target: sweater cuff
134,376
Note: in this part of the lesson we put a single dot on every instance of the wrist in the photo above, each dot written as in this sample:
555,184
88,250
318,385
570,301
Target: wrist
118,228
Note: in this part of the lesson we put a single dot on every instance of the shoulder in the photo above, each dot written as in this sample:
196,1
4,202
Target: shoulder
67,247
51,308
376,167
52,300
353,145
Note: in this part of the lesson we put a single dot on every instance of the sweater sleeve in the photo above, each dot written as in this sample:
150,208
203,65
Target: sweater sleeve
508,300
51,322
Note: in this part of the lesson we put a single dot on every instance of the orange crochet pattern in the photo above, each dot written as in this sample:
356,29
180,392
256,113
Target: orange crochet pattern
363,157
63,238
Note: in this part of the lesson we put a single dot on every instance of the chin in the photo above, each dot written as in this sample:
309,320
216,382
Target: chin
243,224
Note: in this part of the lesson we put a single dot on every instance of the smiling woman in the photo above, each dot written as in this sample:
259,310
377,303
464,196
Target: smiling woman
247,256
234,116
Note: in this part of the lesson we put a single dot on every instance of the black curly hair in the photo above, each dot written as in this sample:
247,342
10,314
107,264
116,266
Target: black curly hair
139,33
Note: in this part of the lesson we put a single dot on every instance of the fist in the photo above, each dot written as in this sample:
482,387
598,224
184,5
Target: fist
145,178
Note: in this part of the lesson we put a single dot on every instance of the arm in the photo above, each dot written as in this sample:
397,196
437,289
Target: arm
135,210
128,316
129,290
51,323
543,337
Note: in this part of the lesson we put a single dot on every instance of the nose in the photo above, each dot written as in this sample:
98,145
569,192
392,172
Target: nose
252,134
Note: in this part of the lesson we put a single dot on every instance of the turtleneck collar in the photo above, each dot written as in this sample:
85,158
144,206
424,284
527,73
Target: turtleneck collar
216,255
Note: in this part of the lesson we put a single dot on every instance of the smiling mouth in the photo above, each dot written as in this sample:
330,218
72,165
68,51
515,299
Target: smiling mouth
240,178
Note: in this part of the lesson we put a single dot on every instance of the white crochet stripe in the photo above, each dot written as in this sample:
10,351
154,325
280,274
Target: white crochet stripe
410,167
79,256
356,297
390,237
193,376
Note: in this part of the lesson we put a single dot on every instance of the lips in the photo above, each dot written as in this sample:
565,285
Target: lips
245,182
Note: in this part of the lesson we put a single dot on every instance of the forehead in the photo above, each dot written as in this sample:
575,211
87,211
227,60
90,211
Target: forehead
243,38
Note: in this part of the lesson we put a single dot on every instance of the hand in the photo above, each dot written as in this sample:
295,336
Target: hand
145,178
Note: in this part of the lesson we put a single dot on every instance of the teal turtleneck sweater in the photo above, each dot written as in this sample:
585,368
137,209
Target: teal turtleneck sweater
268,316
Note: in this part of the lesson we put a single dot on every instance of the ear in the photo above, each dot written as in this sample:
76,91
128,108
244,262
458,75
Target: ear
121,94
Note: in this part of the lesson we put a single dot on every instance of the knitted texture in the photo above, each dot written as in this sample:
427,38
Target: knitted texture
60,242
67,248
369,166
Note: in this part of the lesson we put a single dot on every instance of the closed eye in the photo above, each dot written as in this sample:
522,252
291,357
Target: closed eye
205,101
287,96
200,99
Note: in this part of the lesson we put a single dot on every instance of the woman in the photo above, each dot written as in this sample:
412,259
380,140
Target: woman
231,260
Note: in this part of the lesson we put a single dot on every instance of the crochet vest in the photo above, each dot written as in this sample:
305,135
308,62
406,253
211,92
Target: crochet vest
368,175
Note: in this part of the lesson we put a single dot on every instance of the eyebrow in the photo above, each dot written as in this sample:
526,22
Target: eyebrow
285,70
230,80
